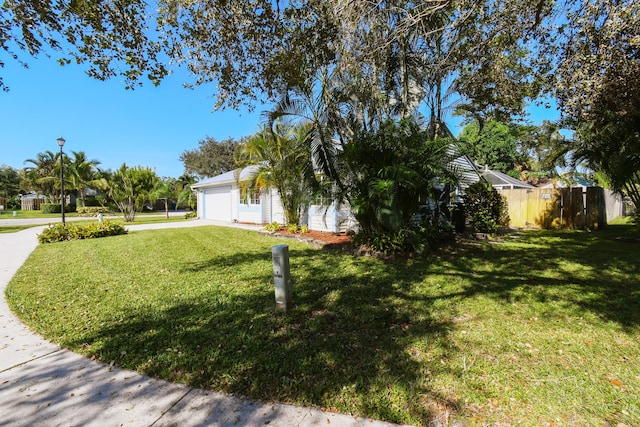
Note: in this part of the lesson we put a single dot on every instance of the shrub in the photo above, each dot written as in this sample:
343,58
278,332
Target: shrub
60,232
418,238
13,203
485,207
304,229
292,228
92,210
190,215
91,201
50,208
273,227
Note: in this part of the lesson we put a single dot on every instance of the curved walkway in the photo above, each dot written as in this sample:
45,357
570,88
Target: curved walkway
42,384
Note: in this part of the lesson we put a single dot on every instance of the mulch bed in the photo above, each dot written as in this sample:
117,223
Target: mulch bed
322,239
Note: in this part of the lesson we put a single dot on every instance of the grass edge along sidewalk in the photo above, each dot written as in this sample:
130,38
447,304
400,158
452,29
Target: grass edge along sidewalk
541,328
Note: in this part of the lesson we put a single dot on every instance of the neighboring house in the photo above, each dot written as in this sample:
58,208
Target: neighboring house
567,180
502,181
32,201
220,199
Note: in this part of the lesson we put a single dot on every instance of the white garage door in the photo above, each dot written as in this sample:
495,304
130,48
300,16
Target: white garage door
217,204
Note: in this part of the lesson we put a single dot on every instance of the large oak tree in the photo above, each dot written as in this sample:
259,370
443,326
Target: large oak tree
260,48
211,158
388,58
598,86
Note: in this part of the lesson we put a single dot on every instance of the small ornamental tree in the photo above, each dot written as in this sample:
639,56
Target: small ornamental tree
166,189
281,155
485,207
131,188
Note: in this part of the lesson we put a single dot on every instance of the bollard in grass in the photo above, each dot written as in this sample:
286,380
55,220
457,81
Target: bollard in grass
281,277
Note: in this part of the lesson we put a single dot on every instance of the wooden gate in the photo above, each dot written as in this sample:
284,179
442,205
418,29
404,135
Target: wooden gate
580,208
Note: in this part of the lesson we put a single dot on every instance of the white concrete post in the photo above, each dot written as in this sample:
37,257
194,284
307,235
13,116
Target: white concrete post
281,277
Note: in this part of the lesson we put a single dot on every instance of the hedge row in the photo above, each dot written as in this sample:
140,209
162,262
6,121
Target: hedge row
61,233
92,210
50,208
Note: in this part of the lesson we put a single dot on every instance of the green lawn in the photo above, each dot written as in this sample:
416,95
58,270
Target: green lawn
146,218
8,214
542,328
13,228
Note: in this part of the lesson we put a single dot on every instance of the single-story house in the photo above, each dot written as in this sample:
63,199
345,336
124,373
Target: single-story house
219,199
502,181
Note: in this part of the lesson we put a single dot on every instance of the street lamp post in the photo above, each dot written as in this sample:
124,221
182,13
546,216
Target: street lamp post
61,142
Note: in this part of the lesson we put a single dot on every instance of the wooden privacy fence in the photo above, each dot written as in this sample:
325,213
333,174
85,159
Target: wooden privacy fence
31,203
581,208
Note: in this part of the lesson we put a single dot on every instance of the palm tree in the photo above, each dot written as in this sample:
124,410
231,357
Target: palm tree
318,108
186,196
281,158
84,174
131,188
391,172
165,190
43,175
614,151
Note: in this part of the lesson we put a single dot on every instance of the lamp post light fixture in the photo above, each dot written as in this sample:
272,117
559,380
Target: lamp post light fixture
61,142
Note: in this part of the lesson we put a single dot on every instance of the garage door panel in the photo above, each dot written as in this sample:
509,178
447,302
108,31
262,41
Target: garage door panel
218,204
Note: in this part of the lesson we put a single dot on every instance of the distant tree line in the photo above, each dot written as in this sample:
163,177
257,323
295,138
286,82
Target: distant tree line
128,189
349,70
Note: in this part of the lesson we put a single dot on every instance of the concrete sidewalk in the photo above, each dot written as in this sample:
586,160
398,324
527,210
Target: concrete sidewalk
44,385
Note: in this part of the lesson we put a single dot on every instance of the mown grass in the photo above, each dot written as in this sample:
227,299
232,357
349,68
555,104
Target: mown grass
8,214
34,214
140,219
13,228
542,328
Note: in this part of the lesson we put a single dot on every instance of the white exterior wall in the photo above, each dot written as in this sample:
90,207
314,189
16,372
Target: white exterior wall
235,198
469,175
323,218
277,211
249,213
200,203
317,218
346,220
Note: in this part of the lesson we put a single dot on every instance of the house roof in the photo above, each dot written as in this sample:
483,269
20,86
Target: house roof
33,196
465,167
226,178
503,181
567,180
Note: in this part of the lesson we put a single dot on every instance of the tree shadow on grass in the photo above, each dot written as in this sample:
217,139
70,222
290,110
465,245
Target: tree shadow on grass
346,345
590,272
353,339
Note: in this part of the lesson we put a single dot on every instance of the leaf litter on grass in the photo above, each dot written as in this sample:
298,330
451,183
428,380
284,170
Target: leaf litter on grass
482,336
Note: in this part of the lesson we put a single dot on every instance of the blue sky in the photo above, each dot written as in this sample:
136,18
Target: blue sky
149,126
